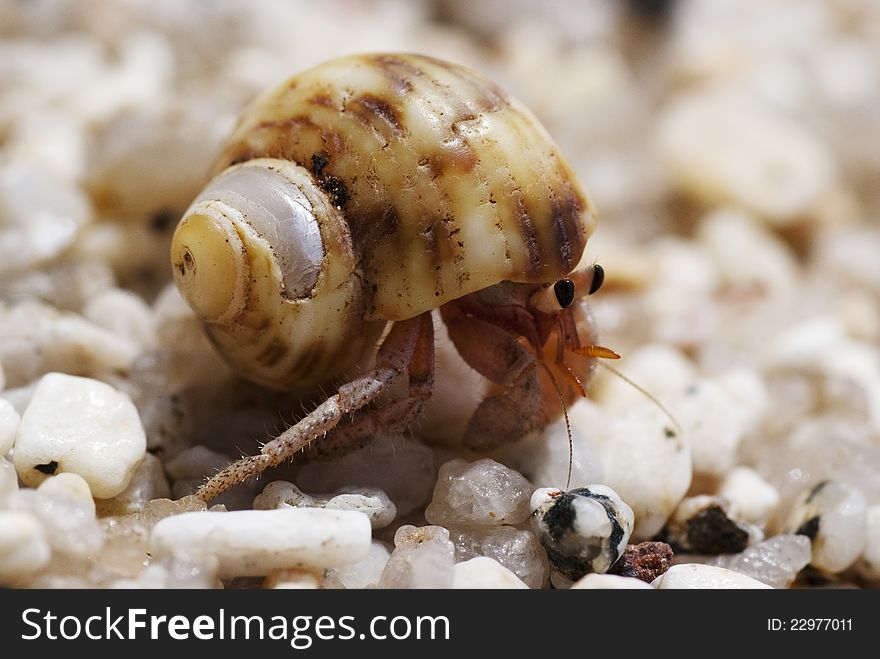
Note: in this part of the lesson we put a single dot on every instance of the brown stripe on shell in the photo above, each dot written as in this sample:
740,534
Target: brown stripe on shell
377,113
371,228
455,156
566,209
323,100
488,96
287,132
398,71
527,229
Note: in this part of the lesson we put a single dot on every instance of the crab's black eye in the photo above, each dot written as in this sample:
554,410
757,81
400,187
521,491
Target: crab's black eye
598,278
564,290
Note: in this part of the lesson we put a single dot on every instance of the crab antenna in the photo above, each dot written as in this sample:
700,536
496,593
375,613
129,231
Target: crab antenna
645,393
567,422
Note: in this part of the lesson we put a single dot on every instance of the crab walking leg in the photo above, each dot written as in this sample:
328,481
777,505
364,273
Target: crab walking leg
506,416
496,354
397,415
393,358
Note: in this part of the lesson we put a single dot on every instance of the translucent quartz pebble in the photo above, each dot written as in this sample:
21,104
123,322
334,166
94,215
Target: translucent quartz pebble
257,542
423,557
776,562
481,493
583,530
832,515
148,483
519,551
695,575
363,574
82,426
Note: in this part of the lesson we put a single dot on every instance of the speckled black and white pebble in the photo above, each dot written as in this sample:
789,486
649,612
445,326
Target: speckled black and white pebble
583,530
704,525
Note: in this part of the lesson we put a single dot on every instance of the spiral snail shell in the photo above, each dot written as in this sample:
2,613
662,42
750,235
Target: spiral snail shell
368,189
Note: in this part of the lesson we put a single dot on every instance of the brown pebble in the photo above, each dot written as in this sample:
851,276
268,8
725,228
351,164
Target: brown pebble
645,561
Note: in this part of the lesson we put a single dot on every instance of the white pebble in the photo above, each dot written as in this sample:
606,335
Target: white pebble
8,481
71,486
403,468
544,458
363,574
484,573
735,240
869,562
293,579
678,300
36,338
715,415
423,557
9,420
281,494
68,521
40,216
820,345
23,546
125,314
481,493
776,562
83,426
761,159
373,502
703,524
257,542
647,463
660,369
609,582
832,515
696,576
751,497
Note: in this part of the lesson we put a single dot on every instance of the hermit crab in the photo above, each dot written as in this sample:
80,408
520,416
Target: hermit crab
351,202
